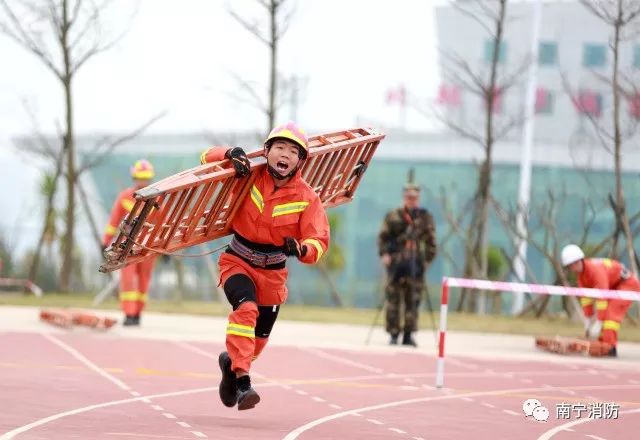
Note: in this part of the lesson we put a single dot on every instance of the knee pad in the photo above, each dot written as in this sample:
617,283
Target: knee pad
267,316
239,289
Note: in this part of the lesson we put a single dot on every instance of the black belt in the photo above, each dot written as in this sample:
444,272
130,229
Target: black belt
256,254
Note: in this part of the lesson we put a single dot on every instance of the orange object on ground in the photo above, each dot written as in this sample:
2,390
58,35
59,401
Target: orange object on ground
69,318
604,273
569,346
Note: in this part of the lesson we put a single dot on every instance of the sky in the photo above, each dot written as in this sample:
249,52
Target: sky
183,60
181,57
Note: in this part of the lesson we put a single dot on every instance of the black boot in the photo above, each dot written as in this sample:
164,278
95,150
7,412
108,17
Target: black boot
247,396
228,388
407,339
394,339
130,320
613,352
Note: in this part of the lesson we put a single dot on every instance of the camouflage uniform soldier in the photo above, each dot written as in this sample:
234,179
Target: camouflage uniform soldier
406,245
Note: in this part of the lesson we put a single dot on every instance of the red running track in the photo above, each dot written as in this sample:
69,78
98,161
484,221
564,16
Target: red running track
94,386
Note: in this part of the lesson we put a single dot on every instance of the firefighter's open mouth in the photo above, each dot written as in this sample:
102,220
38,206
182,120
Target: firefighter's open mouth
282,166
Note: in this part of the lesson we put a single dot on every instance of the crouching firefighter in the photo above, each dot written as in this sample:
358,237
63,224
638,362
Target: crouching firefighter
280,217
603,316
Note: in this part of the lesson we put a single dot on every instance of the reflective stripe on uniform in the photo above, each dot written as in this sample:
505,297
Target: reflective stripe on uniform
289,208
586,301
601,304
127,204
241,330
610,325
132,295
316,244
110,229
607,262
257,198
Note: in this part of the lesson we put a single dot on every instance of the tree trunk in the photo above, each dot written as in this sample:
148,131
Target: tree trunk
273,74
35,263
620,202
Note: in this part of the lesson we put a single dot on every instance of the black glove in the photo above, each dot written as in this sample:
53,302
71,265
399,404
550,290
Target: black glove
293,248
239,160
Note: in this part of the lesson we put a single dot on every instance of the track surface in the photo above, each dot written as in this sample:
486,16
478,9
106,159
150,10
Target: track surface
68,385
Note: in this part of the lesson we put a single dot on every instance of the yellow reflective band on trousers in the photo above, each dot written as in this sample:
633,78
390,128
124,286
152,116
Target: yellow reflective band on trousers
132,295
316,244
601,304
241,330
289,208
610,325
256,197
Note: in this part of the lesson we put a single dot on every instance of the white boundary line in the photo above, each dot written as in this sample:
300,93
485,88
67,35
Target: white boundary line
550,433
76,354
301,429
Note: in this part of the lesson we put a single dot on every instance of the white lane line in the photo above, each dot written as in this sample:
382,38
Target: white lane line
294,434
488,405
302,393
334,406
157,407
409,387
595,437
417,438
553,431
467,399
573,393
526,380
511,413
198,434
375,422
399,431
184,424
135,393
356,414
569,429
169,415
287,387
342,360
146,400
318,399
76,354
409,380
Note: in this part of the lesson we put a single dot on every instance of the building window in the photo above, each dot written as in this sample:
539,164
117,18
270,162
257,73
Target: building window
588,103
488,51
544,101
594,55
636,57
547,53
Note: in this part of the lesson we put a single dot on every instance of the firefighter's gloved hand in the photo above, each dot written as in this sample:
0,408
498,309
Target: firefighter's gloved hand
293,248
239,160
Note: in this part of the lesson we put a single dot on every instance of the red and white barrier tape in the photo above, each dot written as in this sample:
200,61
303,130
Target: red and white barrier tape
502,286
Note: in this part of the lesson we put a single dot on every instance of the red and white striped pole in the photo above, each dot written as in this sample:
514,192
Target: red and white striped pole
444,300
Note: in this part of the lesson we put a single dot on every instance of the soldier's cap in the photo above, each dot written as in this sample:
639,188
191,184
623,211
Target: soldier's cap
411,187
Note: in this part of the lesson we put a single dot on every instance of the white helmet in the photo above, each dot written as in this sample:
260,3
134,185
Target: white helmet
570,254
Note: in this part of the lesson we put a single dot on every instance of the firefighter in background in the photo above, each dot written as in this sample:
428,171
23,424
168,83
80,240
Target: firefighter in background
280,217
406,245
134,278
603,315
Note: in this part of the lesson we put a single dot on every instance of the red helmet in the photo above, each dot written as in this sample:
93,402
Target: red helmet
292,132
142,170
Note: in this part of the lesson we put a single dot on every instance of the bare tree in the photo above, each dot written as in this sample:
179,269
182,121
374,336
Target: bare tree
489,83
622,17
278,20
77,35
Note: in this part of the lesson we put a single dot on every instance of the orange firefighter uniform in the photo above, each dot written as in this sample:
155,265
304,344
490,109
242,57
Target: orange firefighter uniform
604,273
134,278
264,219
